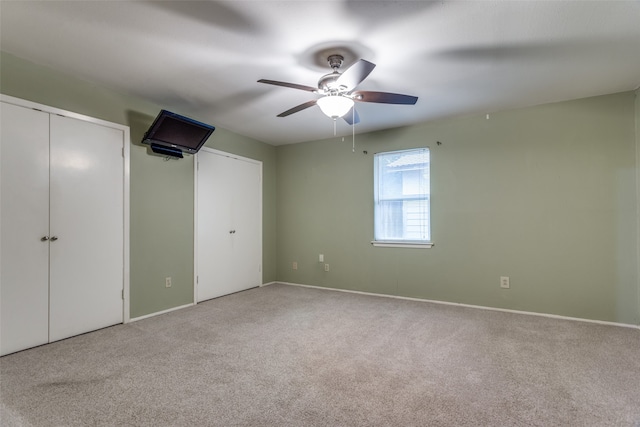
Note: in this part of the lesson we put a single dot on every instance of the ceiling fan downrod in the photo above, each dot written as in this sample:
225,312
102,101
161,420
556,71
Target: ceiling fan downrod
335,61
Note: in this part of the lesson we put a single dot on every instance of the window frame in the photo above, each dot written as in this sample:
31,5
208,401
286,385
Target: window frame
401,243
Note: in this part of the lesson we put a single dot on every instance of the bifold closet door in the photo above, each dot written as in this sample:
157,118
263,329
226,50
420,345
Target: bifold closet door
24,228
229,216
87,223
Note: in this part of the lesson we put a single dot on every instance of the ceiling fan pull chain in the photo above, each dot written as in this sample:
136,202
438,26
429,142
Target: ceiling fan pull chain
353,131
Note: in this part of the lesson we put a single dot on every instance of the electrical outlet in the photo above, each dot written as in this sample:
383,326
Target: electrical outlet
504,282
167,282
326,267
294,265
321,258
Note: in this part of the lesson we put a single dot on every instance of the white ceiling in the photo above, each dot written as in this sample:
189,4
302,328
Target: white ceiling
202,59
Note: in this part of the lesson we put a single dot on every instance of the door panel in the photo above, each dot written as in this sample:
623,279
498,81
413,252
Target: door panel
214,225
229,241
86,277
247,214
24,279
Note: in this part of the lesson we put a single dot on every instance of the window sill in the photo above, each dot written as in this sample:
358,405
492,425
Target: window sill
396,244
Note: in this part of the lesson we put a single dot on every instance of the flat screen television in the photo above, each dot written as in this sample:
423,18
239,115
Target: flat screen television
172,134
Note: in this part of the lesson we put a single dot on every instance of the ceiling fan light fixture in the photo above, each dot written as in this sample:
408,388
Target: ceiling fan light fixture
335,106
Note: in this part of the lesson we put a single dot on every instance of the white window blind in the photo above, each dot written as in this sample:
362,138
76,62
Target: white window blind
402,197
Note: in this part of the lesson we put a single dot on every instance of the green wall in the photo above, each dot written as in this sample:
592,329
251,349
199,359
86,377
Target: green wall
545,195
161,191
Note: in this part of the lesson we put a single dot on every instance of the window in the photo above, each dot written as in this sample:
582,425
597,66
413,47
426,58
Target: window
402,199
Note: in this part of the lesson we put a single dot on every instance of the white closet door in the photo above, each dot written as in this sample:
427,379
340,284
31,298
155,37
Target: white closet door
246,239
214,225
24,278
229,233
87,223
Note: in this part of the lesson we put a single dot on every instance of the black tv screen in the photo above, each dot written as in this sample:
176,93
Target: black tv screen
178,132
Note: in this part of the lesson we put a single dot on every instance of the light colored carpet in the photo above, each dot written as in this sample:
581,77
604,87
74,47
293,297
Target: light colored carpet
290,356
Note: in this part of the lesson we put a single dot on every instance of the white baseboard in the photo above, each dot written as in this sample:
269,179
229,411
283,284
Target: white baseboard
267,284
157,313
480,307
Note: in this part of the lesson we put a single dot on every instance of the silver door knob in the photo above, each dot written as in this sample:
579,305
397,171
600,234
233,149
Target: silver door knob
54,238
44,238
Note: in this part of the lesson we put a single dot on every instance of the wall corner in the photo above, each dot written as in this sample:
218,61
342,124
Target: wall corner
637,167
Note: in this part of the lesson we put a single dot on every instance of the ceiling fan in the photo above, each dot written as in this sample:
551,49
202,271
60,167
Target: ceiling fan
338,94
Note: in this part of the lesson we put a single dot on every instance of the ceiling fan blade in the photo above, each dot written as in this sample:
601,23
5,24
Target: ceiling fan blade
384,97
355,74
298,108
291,85
352,116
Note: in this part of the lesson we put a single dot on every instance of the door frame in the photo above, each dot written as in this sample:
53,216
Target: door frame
126,181
196,166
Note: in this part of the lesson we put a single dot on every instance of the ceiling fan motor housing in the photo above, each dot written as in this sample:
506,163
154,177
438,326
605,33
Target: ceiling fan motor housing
327,83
